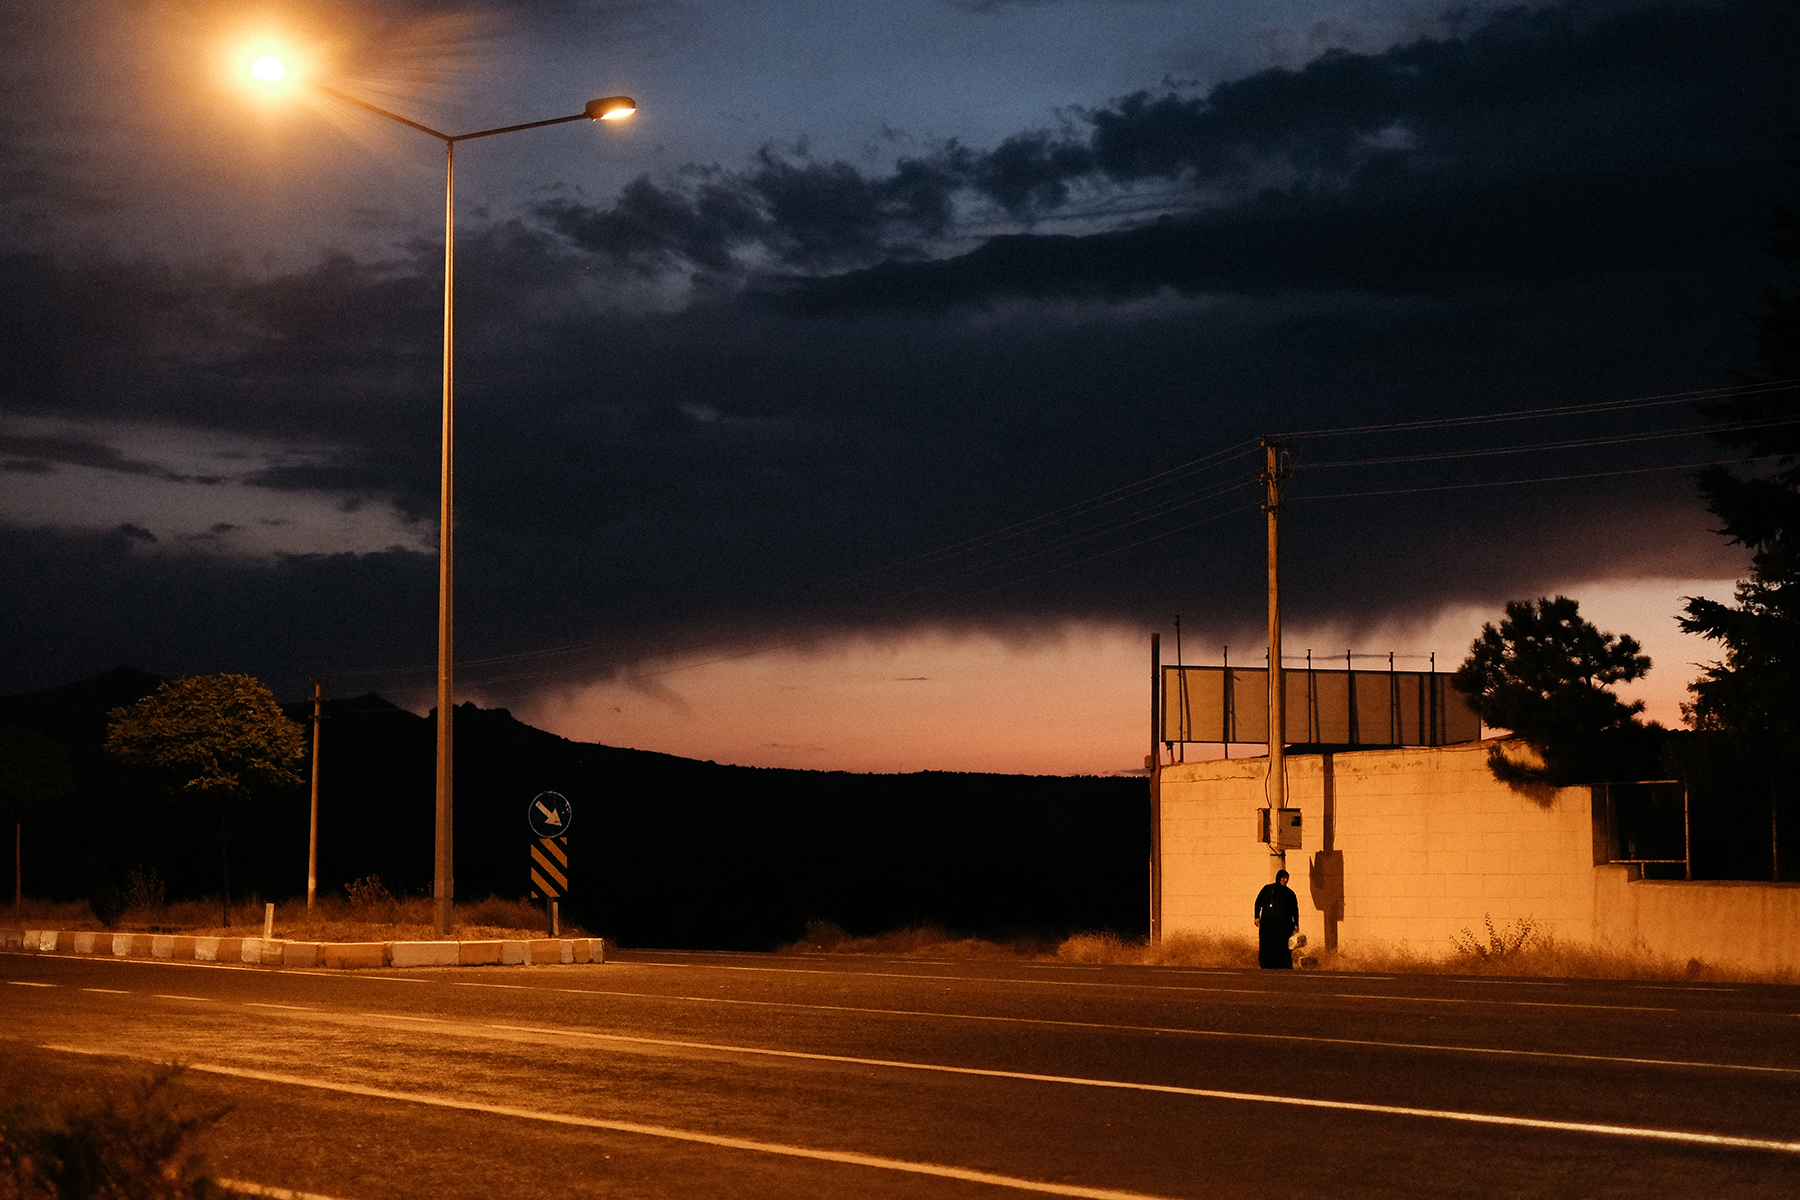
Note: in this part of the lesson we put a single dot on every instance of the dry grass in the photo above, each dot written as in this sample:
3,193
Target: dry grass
54,914
1517,949
374,917
1176,950
918,941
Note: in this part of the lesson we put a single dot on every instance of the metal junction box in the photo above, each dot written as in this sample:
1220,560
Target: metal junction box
1287,828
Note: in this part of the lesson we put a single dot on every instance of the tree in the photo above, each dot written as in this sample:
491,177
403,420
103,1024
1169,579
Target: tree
1751,697
1545,674
33,771
215,742
1755,690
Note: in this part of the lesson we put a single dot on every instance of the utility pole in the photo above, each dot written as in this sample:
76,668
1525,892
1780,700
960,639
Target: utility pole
312,832
1154,762
1276,471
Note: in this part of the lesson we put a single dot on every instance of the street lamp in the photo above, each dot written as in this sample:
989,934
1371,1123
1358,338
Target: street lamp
271,69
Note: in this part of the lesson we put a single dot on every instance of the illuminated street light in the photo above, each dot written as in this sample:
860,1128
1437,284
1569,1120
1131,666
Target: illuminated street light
269,69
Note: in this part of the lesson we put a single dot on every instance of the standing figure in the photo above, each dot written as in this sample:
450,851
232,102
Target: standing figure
1277,917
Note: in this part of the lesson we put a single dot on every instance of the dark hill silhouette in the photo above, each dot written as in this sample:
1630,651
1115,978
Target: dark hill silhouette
665,851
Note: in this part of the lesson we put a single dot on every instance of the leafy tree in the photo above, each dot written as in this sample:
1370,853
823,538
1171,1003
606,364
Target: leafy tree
1545,674
33,771
216,742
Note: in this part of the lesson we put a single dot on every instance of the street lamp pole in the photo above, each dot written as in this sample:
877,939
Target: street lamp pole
605,109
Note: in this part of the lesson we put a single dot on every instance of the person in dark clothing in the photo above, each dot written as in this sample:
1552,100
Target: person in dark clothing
1277,916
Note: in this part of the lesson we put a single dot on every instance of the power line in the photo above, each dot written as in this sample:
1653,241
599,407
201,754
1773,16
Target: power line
1456,487
1562,410
1567,444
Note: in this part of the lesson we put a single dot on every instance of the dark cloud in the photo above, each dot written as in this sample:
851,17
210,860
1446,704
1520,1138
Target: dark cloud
1546,144
1554,208
40,455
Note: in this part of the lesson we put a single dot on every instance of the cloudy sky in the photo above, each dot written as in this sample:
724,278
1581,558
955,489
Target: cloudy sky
868,398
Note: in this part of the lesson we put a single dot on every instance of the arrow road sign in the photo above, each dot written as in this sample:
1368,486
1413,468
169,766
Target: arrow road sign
549,815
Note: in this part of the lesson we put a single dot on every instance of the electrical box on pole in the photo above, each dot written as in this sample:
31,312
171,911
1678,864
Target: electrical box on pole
1286,834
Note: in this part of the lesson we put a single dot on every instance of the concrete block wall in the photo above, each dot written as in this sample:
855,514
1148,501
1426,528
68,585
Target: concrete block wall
1748,924
1406,848
1402,848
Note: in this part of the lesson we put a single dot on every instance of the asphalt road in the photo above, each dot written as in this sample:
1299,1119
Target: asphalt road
729,1075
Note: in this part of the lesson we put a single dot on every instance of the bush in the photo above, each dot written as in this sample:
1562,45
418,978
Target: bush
139,1145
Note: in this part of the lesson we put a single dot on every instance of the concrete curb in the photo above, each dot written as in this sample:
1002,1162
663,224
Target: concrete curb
280,953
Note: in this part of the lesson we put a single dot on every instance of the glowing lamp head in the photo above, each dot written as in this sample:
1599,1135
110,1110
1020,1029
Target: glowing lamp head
269,69
611,108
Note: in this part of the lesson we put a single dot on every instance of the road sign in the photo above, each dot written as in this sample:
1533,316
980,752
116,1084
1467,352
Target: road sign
550,868
549,815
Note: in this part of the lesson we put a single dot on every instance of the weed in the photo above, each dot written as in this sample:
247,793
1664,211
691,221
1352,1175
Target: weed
369,892
143,1144
1502,943
144,890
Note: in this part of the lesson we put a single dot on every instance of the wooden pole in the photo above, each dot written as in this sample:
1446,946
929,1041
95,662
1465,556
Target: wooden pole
1274,473
312,828
443,885
1155,765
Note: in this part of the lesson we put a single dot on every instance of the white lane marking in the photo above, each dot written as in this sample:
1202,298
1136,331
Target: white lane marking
288,1007
620,1037
245,1188
28,983
517,987
1207,1033
1629,1131
844,1157
107,991
167,996
1165,987
1674,1135
1517,982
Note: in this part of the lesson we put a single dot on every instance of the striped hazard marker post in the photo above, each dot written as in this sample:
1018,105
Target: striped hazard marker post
549,815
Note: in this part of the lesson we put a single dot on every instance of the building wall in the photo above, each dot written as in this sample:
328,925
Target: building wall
1407,848
1749,924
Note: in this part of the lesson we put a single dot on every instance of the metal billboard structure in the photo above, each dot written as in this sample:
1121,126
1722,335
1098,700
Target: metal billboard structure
1323,707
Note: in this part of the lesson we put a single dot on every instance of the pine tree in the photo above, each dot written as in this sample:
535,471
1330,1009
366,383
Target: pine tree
1754,692
1546,674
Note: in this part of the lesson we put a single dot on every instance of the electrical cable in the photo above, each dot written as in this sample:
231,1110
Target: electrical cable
1571,444
1455,487
1562,410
